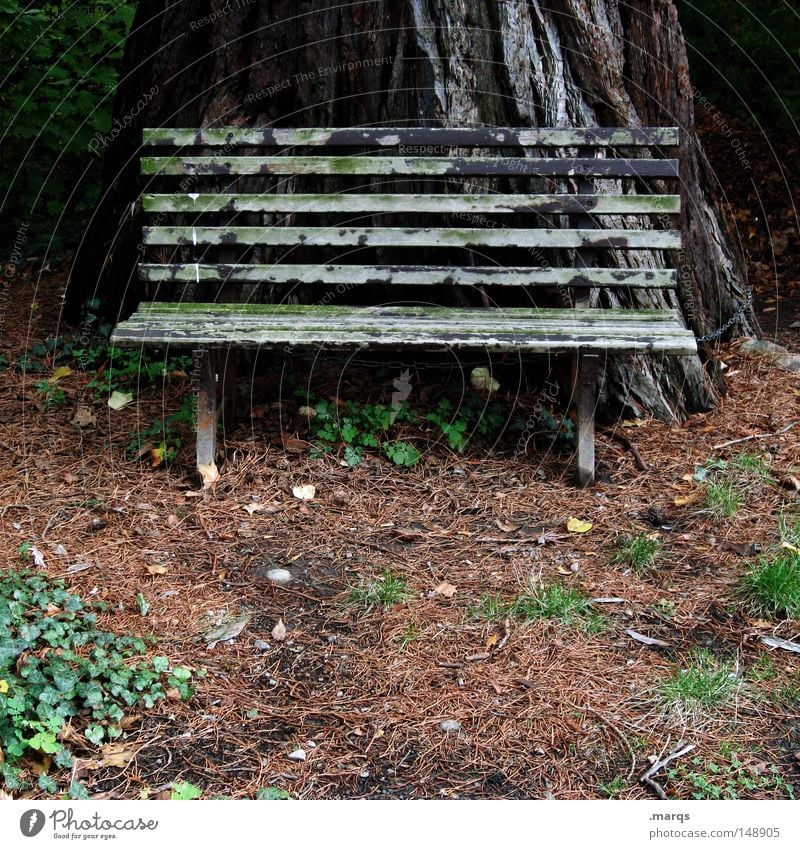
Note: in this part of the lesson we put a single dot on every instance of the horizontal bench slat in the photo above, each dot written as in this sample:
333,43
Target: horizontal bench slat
398,326
390,203
420,275
424,136
409,237
420,166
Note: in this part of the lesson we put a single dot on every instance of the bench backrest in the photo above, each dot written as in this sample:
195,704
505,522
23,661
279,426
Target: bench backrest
353,207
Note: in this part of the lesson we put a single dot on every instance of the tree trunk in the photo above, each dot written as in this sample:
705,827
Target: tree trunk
452,62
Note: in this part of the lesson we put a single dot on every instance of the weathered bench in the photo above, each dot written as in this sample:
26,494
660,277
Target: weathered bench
499,213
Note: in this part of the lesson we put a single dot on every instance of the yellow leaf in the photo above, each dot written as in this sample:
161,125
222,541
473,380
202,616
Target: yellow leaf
493,639
578,526
683,500
790,547
63,371
3,686
633,422
157,570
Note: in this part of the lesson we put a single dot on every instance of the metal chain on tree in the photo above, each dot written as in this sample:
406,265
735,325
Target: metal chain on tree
740,310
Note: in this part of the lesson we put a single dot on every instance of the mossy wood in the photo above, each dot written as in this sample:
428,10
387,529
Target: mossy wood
547,209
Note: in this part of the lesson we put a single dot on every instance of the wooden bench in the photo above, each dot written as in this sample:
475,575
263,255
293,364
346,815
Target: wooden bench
510,217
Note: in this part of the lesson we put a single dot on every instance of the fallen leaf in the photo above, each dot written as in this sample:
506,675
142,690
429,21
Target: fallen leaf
791,482
481,379
295,446
310,412
578,526
789,547
683,500
38,557
60,372
304,493
83,417
743,549
507,526
117,400
786,645
209,474
445,589
157,570
633,422
643,638
226,631
118,754
279,631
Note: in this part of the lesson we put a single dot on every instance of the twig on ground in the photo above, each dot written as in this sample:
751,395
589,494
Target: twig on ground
647,778
752,436
623,440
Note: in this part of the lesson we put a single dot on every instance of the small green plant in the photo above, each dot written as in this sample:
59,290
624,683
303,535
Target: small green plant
639,552
25,550
58,667
360,427
184,791
543,601
52,394
490,607
771,588
665,607
789,531
271,794
611,789
410,634
729,482
385,590
727,777
555,601
704,683
162,440
722,500
763,669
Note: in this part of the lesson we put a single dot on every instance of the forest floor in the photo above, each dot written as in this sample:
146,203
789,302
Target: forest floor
450,630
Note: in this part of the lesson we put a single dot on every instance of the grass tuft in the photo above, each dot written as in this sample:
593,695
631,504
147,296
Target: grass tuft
704,683
383,591
639,551
771,588
544,601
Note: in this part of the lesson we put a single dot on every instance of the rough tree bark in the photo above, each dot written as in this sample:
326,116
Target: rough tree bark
451,62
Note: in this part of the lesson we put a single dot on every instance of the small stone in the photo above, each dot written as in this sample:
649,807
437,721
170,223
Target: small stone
575,566
450,726
261,645
280,576
297,755
97,525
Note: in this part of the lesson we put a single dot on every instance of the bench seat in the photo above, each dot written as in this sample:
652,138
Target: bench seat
423,327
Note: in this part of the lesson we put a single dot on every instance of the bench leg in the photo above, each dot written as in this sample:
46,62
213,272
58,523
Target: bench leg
586,392
205,365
